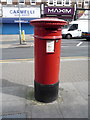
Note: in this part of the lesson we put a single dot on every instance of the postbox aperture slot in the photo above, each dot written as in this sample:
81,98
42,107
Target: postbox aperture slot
52,29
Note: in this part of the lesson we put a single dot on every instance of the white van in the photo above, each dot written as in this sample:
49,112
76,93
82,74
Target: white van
75,29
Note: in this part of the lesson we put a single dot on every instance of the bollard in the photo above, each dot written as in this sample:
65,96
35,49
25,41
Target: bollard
47,39
23,36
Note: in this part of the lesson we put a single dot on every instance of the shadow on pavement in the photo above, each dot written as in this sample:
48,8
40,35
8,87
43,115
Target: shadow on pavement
19,90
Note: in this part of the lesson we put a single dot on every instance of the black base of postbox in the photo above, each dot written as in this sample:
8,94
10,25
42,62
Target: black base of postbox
46,93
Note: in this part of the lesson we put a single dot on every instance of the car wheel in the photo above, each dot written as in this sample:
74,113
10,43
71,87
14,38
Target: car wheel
68,36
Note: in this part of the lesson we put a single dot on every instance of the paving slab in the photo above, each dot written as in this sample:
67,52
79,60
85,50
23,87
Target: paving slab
74,70
14,93
74,105
82,88
18,73
14,37
13,107
46,111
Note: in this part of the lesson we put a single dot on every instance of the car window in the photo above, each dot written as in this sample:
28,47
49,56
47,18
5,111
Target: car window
66,26
73,27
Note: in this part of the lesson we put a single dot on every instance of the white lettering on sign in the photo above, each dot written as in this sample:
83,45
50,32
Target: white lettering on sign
22,21
50,46
59,10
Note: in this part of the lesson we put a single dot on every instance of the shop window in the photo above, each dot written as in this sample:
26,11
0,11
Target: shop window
39,0
51,2
3,0
33,2
67,2
9,1
21,1
59,2
79,3
86,3
73,27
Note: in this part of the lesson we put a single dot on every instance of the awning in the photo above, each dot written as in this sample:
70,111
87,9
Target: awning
16,20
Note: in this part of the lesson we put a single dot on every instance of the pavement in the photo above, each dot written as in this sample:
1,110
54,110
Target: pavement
17,89
12,41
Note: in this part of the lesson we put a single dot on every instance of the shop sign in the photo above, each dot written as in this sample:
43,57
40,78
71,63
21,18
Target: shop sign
58,11
31,12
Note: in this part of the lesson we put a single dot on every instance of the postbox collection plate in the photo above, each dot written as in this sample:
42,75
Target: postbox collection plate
50,46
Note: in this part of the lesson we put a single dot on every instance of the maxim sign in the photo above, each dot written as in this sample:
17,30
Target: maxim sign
58,11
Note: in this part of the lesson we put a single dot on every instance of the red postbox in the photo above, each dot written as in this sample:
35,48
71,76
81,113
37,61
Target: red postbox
47,40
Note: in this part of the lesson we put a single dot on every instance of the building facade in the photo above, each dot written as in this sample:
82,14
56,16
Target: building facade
17,18
80,3
18,13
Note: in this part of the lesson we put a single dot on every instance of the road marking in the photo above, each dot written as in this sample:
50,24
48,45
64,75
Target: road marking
79,44
75,46
32,59
30,85
84,46
15,60
77,58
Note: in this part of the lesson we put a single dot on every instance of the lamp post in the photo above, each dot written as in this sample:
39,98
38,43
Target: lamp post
19,23
42,5
75,6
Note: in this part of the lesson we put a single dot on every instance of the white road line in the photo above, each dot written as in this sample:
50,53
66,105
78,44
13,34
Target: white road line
65,60
79,44
68,46
30,85
73,46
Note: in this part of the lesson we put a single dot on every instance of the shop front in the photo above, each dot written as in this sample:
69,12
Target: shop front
14,17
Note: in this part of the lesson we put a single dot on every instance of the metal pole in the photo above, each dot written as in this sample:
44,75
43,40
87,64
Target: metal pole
75,15
42,5
19,23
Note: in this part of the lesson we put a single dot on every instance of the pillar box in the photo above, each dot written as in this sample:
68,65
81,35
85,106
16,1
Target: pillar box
47,40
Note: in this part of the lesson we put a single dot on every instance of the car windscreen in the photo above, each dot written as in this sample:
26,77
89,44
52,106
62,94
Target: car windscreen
66,26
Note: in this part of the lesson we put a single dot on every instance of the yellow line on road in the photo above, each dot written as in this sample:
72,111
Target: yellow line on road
15,60
32,59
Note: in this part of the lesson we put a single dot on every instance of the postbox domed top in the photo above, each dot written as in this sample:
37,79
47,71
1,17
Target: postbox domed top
48,22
